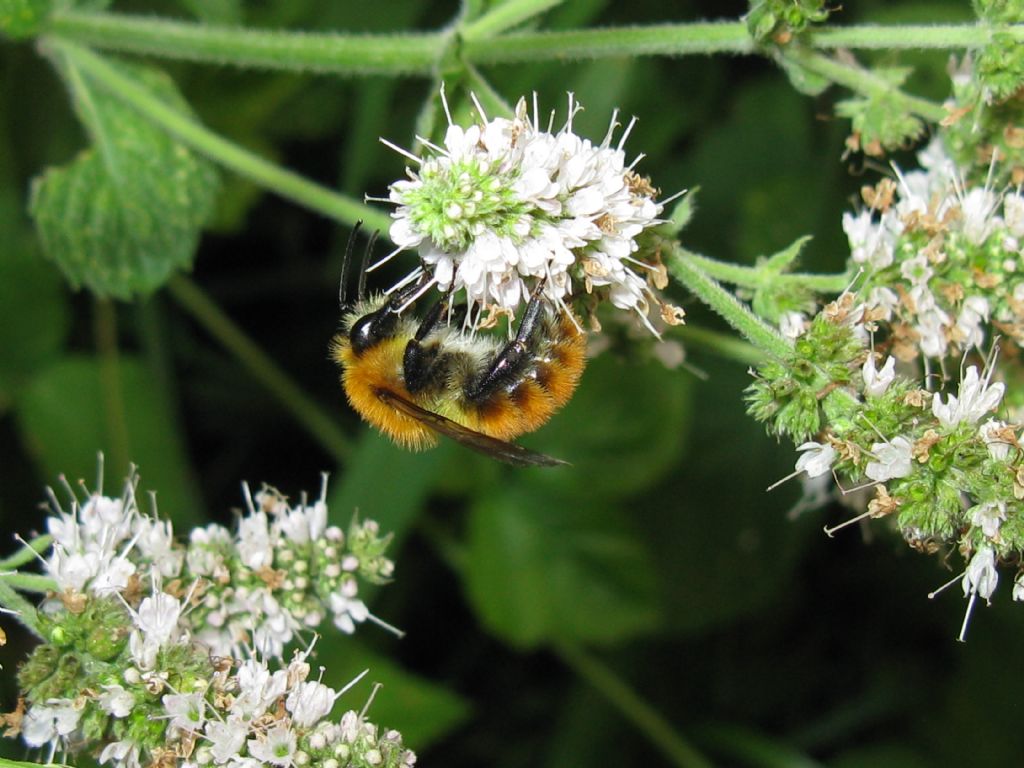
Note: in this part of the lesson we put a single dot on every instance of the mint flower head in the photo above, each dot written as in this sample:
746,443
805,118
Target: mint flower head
159,653
942,261
505,204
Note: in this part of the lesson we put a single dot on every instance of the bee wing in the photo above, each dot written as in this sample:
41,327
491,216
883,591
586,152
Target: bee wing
510,453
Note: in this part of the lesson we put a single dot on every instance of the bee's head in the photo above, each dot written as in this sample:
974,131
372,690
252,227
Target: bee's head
372,328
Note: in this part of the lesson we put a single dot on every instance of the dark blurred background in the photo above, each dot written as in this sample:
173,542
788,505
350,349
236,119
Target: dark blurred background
657,556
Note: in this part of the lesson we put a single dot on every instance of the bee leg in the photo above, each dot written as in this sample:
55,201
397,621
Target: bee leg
419,361
513,355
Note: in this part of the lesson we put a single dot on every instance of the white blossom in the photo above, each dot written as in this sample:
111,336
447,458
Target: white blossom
977,208
1018,587
347,612
44,723
276,746
116,701
992,433
973,313
981,576
155,542
226,738
871,243
522,204
792,325
309,702
989,517
877,381
892,459
254,546
186,711
258,688
156,623
125,753
207,550
976,398
817,458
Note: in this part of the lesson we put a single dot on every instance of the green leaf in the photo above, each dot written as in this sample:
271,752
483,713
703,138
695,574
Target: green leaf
421,710
5,763
623,429
774,297
682,212
34,316
806,82
63,416
23,18
126,213
540,569
881,121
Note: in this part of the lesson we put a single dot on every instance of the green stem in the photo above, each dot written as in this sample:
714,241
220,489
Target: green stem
910,36
25,611
505,16
742,746
759,333
863,81
721,344
318,422
490,99
632,706
418,54
715,37
105,333
30,582
266,174
753,277
339,54
611,42
29,552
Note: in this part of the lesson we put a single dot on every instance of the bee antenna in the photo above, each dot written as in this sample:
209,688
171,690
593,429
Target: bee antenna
366,260
346,261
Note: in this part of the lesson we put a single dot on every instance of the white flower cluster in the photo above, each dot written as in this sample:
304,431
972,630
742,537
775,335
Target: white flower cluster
158,654
505,204
245,715
941,260
283,570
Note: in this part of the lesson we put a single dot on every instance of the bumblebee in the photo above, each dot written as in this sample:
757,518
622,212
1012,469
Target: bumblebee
414,378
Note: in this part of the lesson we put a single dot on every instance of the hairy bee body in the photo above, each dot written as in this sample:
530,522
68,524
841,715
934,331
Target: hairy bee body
453,373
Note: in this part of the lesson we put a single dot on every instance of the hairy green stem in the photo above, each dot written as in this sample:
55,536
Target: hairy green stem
105,334
715,37
30,551
910,36
641,714
30,582
183,127
337,54
611,42
505,16
418,54
317,421
754,277
25,611
759,333
863,81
